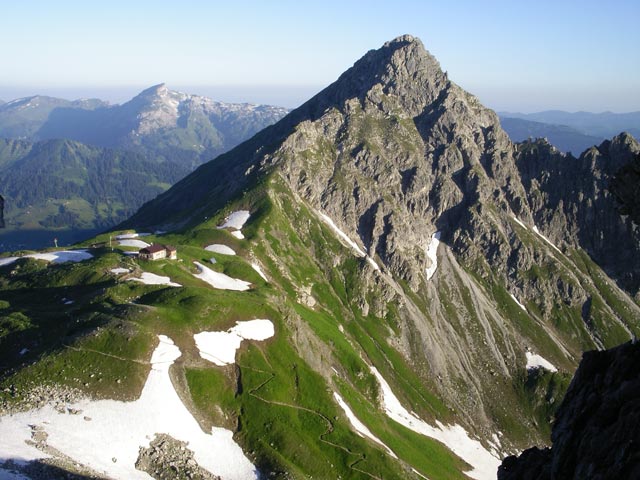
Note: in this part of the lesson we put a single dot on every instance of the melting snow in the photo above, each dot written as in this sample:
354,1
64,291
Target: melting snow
220,347
373,263
133,243
119,271
519,222
7,260
125,236
536,361
118,429
149,278
432,251
361,253
220,280
535,229
361,428
257,268
519,304
219,248
341,234
236,220
53,257
455,438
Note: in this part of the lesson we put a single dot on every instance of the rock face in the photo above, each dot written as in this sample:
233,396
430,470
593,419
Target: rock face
596,432
573,204
394,152
625,186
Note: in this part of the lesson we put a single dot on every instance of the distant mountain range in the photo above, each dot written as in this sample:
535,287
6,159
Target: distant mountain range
565,138
569,132
115,157
160,123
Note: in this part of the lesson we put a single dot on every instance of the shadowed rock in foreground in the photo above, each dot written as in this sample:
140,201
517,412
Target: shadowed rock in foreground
597,430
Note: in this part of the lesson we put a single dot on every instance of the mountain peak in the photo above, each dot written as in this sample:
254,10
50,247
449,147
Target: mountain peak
404,40
402,68
158,90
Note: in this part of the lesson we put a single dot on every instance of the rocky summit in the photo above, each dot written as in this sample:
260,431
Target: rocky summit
432,285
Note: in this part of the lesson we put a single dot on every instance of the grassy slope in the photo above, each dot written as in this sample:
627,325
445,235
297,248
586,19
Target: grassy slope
279,395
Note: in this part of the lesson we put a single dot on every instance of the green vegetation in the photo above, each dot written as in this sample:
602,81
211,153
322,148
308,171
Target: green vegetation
278,397
66,184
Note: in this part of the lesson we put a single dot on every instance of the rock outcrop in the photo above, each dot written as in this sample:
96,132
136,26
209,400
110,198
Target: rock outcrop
625,186
597,429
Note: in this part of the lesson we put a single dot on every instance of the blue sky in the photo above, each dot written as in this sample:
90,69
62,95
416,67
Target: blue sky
515,55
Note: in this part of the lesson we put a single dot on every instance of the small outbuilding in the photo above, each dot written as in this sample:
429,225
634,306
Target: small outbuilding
157,252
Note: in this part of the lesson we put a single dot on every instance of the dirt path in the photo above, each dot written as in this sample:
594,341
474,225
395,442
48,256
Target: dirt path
360,457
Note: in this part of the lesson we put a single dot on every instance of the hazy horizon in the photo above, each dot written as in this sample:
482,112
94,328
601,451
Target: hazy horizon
549,56
284,96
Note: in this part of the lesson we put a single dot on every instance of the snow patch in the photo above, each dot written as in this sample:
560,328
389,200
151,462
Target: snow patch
220,347
536,361
519,304
53,257
7,260
432,251
119,270
133,243
257,268
117,429
149,278
341,234
455,438
220,280
221,249
236,220
126,236
373,263
519,222
361,428
535,229
238,234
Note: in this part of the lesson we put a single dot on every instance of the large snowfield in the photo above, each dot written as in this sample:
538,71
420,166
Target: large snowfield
107,434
